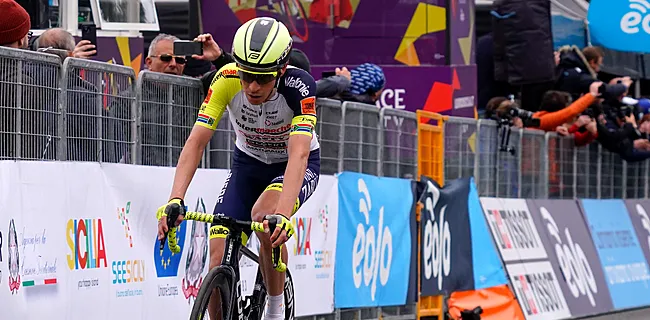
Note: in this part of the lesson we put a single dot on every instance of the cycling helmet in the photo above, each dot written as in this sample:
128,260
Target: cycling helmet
262,45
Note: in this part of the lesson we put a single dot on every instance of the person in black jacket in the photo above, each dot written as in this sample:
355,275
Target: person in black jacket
578,69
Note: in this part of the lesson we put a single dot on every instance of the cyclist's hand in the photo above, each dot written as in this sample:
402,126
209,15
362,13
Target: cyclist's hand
164,211
283,229
211,50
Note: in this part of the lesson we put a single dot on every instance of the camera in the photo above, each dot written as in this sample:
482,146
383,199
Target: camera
525,116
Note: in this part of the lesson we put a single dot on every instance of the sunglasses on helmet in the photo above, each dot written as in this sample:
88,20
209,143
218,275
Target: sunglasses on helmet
168,58
260,78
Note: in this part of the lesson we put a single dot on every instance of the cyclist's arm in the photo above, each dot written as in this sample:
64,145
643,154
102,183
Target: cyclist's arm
303,104
224,87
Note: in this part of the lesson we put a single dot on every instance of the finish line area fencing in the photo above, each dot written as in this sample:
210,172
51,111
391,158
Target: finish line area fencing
99,119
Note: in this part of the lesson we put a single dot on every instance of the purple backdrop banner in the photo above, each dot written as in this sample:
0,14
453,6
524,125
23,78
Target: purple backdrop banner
640,215
361,30
428,88
572,255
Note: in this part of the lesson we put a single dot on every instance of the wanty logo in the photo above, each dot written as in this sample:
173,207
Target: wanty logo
437,239
572,259
85,238
377,252
302,246
631,20
14,259
167,262
196,257
122,215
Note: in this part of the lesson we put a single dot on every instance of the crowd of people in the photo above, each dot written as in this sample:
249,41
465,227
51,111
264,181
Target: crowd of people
578,105
361,84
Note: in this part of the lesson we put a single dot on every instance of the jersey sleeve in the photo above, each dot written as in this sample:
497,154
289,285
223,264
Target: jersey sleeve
299,90
225,85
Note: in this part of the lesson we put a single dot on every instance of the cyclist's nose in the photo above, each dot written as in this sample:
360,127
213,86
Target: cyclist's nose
254,86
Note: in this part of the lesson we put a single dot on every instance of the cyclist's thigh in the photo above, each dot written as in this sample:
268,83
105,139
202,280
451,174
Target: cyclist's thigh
268,200
241,189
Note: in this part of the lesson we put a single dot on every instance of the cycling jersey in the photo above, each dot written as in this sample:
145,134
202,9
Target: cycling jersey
263,130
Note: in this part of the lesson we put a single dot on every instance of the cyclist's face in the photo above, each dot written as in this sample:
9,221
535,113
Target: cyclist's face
258,88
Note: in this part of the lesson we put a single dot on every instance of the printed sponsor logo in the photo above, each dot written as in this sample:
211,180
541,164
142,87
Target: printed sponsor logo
122,215
302,245
279,130
39,267
270,123
85,238
196,257
165,261
262,151
372,251
128,271
293,82
645,222
538,290
630,21
14,259
437,239
283,137
464,102
573,262
513,229
266,145
308,105
225,186
207,97
251,120
167,291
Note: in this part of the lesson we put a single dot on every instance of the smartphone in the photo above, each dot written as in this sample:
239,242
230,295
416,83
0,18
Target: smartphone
327,74
89,32
187,48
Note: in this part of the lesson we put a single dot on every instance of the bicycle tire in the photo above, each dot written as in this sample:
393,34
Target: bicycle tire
218,278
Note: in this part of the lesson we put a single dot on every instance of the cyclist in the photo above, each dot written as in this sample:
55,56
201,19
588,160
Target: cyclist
276,162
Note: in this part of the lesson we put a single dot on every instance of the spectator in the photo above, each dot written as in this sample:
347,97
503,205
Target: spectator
14,33
583,130
556,110
161,58
14,25
577,70
213,53
367,81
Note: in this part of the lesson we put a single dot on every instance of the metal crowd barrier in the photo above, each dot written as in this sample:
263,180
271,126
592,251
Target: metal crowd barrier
537,164
29,91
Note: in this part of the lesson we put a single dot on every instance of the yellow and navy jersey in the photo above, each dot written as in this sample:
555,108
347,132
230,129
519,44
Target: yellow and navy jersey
263,131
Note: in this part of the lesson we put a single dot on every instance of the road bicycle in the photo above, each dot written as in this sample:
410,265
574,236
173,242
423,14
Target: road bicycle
226,277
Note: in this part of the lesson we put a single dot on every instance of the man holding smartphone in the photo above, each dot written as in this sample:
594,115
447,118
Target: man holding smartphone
161,56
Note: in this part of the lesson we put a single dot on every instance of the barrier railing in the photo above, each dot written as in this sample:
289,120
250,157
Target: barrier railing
29,91
92,111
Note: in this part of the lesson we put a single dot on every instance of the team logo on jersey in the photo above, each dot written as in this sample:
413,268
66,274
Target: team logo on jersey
308,105
207,98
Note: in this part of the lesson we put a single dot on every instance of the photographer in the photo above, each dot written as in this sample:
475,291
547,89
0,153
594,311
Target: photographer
557,111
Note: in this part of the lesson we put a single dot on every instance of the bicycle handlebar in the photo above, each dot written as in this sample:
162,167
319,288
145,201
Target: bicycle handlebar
276,253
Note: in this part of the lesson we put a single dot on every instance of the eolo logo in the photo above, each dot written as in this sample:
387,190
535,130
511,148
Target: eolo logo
85,238
437,239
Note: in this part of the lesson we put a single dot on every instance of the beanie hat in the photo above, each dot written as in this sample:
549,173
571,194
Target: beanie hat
299,59
14,22
366,77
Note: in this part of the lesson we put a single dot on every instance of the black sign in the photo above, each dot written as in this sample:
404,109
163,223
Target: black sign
446,248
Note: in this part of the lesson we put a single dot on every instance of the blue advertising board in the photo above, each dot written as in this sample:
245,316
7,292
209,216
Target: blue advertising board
373,249
621,257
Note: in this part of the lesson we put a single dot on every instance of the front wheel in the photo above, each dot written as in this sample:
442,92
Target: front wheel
219,279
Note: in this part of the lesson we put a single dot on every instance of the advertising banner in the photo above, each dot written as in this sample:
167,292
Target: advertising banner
449,246
538,291
513,229
446,263
620,25
374,241
85,235
619,252
640,215
534,281
572,255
